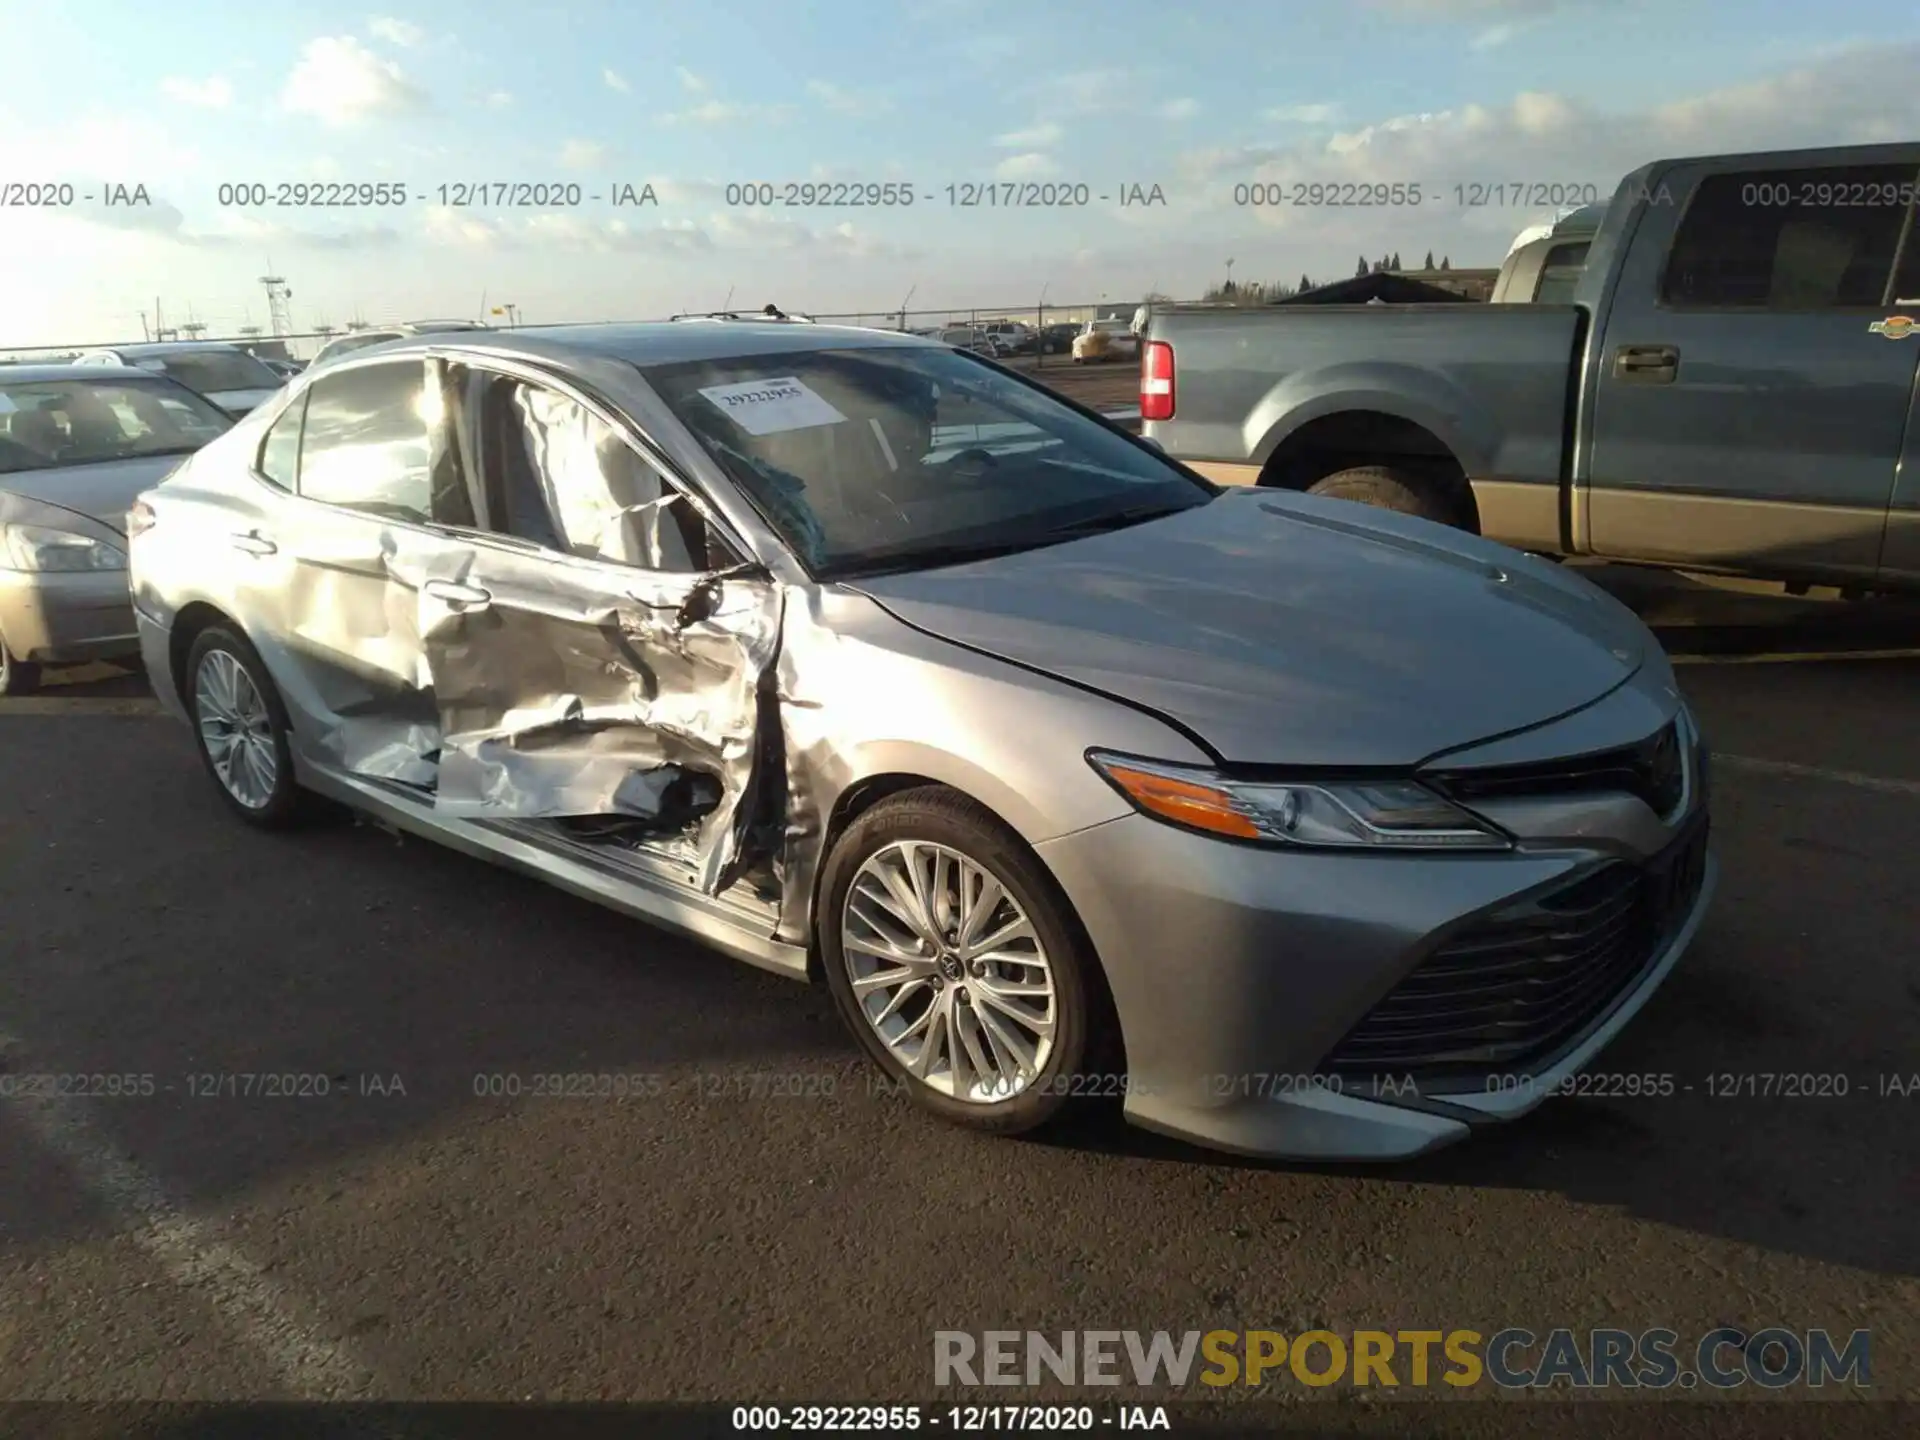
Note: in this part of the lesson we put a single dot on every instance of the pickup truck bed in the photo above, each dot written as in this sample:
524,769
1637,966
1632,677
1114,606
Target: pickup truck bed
1733,388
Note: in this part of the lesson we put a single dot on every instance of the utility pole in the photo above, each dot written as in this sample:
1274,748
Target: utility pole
279,317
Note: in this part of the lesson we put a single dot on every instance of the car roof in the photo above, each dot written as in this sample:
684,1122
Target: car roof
164,347
22,374
661,343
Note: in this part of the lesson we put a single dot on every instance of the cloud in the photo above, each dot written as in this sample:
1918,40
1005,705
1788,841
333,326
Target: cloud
1322,114
341,82
396,32
615,81
212,93
550,231
497,100
722,112
1086,92
118,147
691,82
582,155
1038,137
1033,165
757,231
1181,109
1559,150
846,102
1509,18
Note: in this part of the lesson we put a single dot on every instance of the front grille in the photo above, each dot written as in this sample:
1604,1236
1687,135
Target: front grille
1654,770
1518,986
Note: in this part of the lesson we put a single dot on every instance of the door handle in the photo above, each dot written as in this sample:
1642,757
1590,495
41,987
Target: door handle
458,596
1646,364
252,542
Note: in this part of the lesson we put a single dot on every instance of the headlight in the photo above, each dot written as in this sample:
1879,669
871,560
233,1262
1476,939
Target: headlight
1317,814
30,547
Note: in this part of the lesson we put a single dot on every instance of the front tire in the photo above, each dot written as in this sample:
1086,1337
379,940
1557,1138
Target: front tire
957,964
242,730
1389,489
17,677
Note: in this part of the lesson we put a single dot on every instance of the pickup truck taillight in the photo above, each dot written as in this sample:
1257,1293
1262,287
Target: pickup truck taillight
1156,381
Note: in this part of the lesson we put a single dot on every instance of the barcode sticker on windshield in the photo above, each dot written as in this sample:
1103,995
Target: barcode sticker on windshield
767,407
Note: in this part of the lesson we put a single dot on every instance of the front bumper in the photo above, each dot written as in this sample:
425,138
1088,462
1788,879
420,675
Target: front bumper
1237,970
67,617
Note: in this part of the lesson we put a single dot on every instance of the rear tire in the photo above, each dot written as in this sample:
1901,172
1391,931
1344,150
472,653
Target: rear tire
241,730
17,677
939,844
1390,489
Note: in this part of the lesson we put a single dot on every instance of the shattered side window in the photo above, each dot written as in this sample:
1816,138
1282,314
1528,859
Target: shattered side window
609,501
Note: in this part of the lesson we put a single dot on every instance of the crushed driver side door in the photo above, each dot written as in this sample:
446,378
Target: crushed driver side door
595,649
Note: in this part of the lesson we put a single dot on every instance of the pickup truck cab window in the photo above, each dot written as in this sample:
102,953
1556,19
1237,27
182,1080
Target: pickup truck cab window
1560,274
1809,239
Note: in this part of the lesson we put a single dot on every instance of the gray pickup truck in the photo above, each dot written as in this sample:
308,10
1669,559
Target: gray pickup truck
1730,388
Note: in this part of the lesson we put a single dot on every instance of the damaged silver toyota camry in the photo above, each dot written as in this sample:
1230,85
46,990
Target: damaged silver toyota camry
1306,828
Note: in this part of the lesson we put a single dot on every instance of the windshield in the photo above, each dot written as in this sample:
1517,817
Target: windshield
211,371
887,458
48,424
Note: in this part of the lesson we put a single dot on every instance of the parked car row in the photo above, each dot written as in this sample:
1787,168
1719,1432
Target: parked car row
78,444
1049,706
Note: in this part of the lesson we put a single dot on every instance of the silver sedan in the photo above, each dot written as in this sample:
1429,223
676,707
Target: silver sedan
1296,827
77,445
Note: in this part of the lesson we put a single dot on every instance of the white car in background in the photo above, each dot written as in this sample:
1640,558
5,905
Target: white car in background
1105,340
361,339
970,337
225,374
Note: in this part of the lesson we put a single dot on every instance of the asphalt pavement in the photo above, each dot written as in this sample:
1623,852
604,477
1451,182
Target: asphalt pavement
738,1215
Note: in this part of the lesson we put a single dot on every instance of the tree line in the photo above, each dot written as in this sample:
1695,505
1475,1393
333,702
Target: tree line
1263,292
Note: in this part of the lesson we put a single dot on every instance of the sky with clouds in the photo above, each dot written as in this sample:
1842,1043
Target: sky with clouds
1200,100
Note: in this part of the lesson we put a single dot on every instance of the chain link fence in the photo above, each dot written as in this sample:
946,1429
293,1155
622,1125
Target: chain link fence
305,345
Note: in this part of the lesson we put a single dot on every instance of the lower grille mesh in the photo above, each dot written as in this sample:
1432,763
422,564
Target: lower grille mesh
1522,983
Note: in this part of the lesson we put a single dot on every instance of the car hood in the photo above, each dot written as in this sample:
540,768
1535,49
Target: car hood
239,402
1294,630
105,491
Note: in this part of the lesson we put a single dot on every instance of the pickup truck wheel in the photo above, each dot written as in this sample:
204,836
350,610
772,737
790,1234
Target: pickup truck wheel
1390,489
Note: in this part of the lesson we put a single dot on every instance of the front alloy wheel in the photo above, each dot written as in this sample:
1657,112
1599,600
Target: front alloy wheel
958,965
949,972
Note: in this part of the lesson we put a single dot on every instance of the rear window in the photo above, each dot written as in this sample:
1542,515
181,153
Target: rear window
209,371
48,424
1560,274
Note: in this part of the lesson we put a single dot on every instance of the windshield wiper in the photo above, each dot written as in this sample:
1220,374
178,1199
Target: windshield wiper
927,557
1113,520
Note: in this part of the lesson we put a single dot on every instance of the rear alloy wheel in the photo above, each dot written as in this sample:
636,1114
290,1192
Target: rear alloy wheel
242,729
1389,489
17,677
954,961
